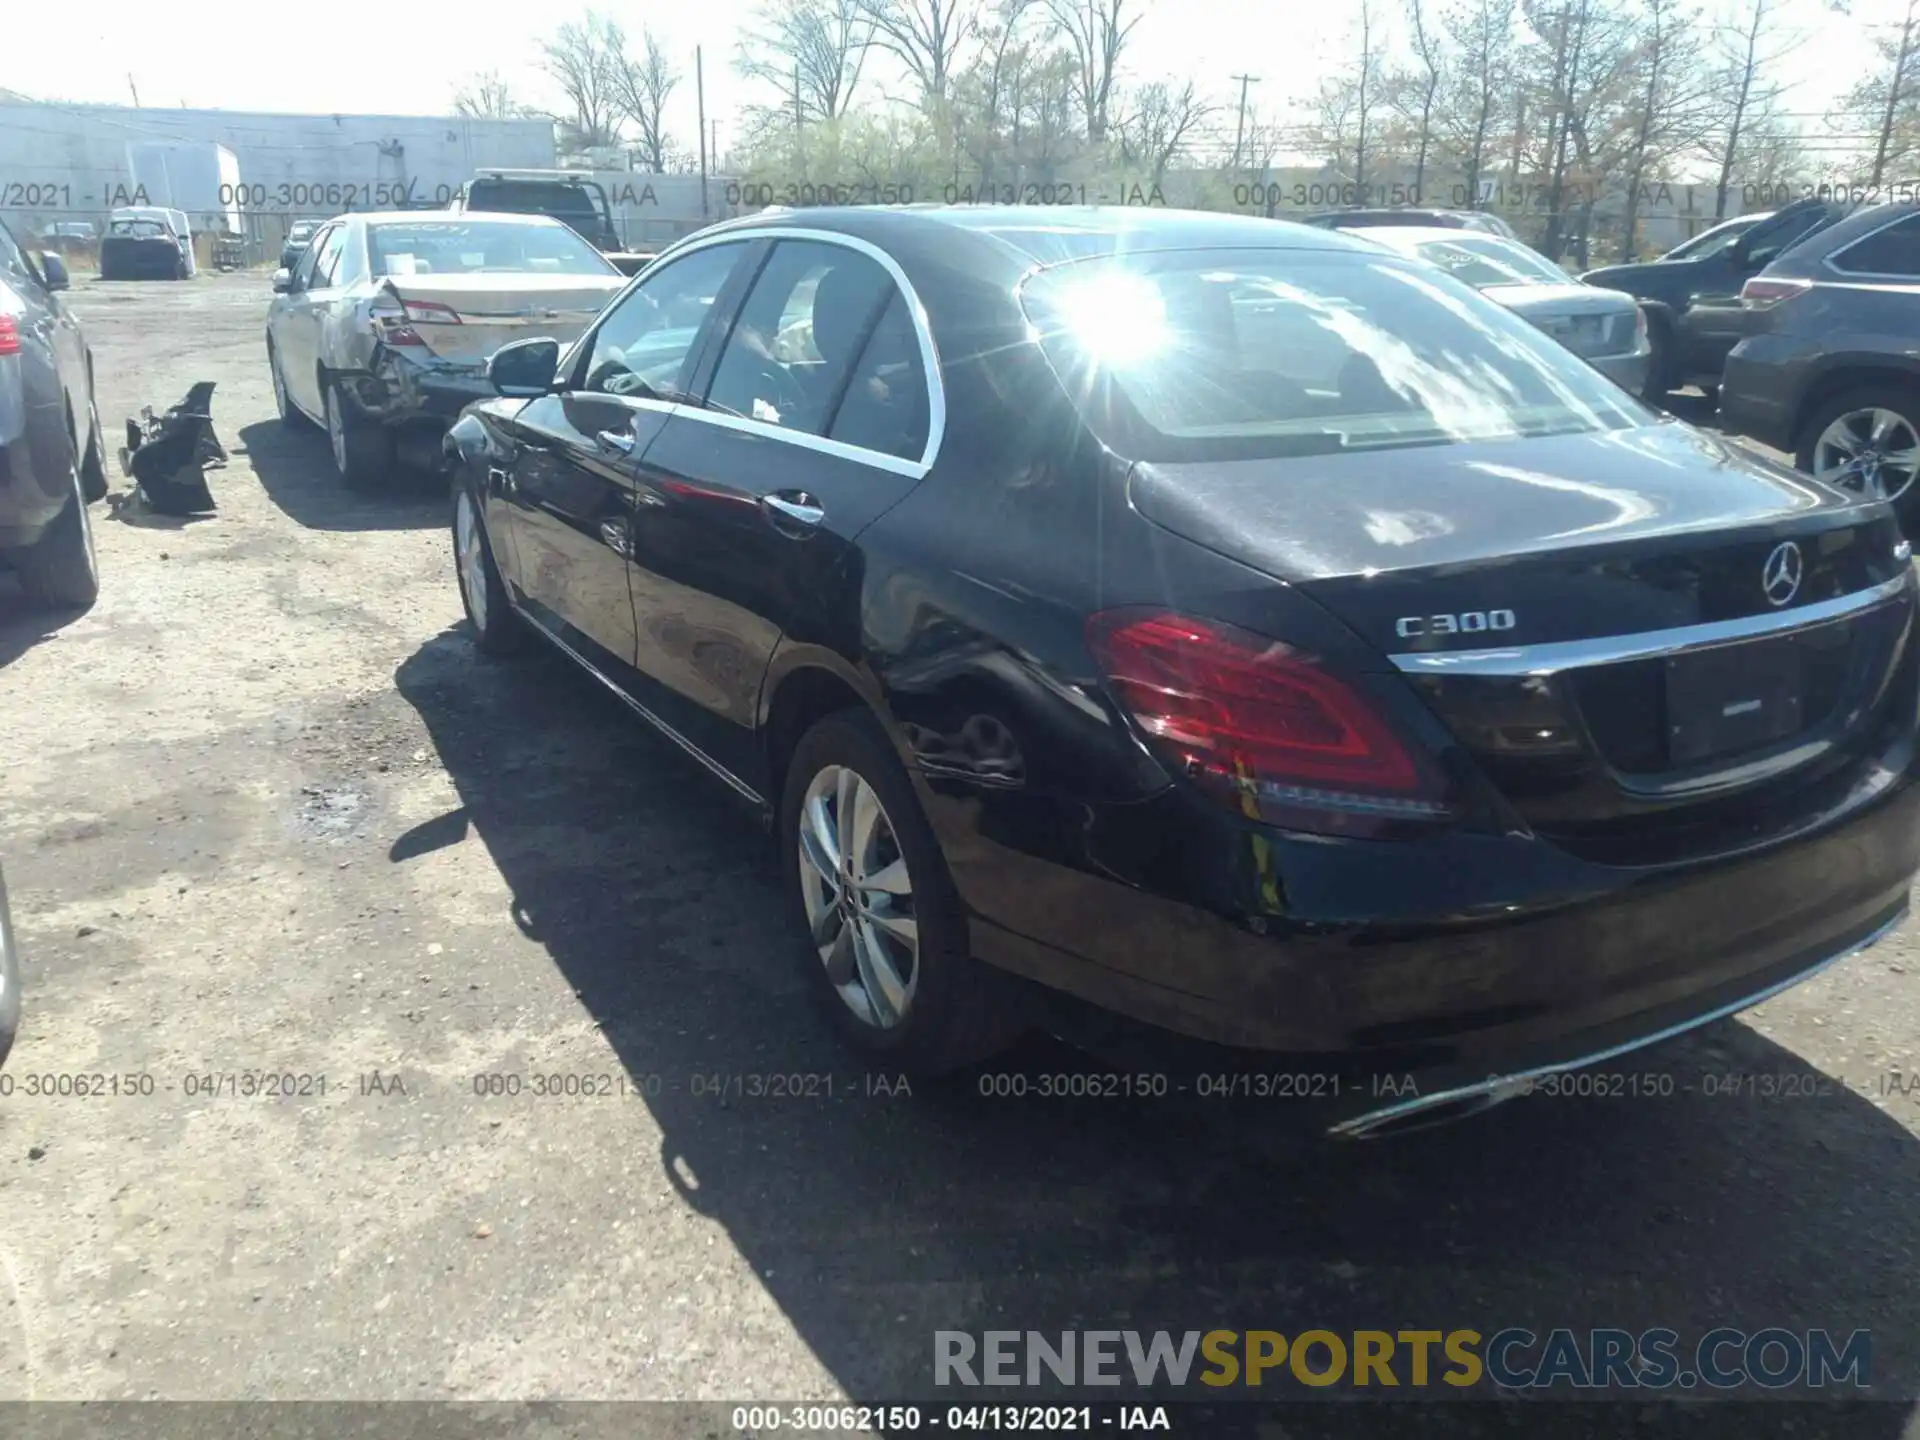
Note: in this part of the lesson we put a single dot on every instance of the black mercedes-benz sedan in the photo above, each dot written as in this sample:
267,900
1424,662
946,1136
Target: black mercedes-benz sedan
1228,623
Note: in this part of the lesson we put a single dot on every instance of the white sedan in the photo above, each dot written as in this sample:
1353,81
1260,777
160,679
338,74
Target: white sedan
382,331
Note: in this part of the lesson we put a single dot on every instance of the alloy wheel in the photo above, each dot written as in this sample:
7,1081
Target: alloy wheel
858,896
471,549
1874,452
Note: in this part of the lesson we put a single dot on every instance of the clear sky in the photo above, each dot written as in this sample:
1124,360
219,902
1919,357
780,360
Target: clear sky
412,57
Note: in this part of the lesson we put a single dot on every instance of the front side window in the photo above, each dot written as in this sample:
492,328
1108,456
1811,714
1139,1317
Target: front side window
1892,251
303,271
1250,353
327,259
799,335
479,247
645,346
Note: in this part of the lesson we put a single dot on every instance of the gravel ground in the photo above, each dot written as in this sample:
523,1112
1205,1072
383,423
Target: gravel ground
267,813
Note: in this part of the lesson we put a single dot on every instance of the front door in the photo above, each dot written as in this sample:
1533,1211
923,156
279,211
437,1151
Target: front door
570,490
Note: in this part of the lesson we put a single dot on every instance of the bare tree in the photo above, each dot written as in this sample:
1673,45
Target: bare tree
927,36
583,58
1417,91
1161,122
487,97
1744,49
988,87
813,50
1886,101
640,89
1479,99
1096,34
1589,68
1346,112
1669,91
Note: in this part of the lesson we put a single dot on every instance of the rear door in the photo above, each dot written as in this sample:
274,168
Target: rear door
570,492
815,419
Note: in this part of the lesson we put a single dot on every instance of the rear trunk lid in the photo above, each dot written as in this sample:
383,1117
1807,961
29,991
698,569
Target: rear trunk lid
464,318
1587,320
1605,622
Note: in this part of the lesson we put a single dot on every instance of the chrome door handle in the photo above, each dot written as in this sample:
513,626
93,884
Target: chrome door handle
617,440
796,507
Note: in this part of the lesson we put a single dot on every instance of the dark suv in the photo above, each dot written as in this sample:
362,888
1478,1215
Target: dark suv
1829,367
1692,295
577,201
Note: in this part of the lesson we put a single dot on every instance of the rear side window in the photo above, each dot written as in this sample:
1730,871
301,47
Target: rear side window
811,314
885,405
1247,353
1892,251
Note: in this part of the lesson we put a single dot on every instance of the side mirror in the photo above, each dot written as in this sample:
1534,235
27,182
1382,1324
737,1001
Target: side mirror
55,269
525,368
282,281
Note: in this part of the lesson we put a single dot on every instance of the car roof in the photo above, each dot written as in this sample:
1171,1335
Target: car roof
1398,236
450,217
1017,238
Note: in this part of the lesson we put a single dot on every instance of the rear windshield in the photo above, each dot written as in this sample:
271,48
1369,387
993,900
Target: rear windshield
1483,261
1228,354
571,203
480,247
139,229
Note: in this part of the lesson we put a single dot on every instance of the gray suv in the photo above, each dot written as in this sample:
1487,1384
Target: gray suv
1829,367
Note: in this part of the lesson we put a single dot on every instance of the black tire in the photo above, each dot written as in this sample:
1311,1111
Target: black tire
93,465
1902,399
1659,382
961,1011
497,629
291,415
363,450
60,569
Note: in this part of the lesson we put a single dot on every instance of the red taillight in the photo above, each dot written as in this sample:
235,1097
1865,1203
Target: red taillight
1254,721
396,318
9,336
1763,291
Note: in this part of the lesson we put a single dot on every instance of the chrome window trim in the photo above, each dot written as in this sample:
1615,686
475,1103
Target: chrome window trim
1552,658
916,312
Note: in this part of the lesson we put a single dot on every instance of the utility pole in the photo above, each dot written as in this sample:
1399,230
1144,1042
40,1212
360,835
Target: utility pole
700,100
135,88
1240,130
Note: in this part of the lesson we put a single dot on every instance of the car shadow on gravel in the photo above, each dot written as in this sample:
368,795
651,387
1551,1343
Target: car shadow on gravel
297,473
875,1218
24,624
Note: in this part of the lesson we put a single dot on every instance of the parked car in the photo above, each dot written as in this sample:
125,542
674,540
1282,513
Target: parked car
147,242
576,201
381,333
298,234
52,456
1230,623
68,236
1481,220
9,978
1606,328
1693,299
1829,370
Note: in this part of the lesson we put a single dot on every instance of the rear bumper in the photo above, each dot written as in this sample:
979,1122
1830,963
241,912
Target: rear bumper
1451,960
1628,371
140,259
399,391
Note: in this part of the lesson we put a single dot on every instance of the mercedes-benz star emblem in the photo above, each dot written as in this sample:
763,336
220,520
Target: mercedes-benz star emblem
1780,577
